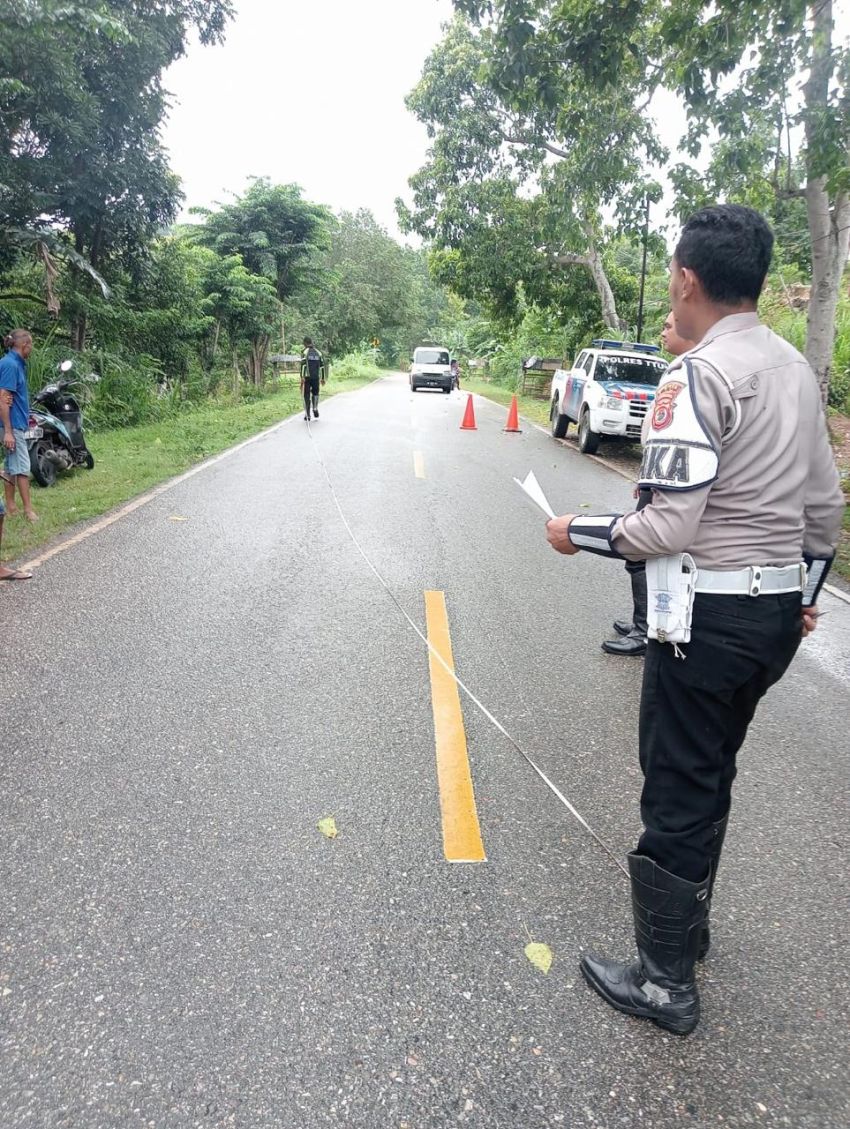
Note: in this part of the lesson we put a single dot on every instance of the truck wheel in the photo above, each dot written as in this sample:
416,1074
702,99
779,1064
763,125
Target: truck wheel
588,440
559,423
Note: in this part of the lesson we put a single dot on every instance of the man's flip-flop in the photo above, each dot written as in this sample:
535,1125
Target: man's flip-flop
18,574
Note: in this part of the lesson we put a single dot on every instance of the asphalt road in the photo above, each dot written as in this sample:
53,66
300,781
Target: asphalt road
181,947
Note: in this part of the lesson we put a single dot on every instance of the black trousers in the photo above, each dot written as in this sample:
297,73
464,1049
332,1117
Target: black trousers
644,498
311,389
694,715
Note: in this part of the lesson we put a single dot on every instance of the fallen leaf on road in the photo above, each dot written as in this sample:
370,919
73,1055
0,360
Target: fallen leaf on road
584,505
328,827
540,955
177,517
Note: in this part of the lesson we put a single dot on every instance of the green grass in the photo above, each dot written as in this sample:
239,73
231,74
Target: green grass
133,459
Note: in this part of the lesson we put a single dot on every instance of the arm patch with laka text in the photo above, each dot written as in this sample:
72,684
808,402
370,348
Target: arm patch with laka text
678,453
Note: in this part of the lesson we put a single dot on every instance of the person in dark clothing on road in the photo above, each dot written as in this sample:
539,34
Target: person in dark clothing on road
312,374
632,632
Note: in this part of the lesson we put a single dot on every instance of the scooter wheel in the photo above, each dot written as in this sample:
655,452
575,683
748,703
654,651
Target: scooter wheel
88,462
43,469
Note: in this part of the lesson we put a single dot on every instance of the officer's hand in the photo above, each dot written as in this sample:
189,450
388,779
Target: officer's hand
810,619
557,535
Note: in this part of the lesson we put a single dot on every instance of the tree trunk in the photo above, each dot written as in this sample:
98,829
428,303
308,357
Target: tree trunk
78,320
214,347
257,360
830,231
78,332
237,379
829,220
592,261
606,295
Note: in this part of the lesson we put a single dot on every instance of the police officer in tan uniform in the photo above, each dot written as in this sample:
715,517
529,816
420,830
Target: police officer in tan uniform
744,489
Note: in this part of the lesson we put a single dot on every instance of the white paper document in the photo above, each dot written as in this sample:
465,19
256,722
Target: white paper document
534,490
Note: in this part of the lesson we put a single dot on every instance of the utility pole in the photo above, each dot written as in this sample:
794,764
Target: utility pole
643,273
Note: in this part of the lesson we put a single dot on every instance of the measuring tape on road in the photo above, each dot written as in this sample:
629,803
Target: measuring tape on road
461,685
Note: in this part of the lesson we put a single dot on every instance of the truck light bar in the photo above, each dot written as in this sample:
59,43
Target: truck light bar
631,346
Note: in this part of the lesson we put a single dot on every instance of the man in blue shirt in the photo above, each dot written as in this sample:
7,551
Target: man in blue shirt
14,416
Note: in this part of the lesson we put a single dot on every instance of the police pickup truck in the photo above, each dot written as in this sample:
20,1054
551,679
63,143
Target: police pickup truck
607,392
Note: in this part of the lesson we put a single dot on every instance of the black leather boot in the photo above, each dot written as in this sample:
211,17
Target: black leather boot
634,641
669,914
631,644
716,848
622,626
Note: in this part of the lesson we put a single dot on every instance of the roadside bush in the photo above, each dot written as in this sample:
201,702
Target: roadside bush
127,394
839,386
359,365
541,333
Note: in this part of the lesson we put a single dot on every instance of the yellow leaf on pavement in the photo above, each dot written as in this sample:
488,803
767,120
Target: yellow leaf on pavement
177,517
540,955
328,827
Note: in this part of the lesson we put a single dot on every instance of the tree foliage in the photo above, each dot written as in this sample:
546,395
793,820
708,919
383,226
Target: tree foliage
81,103
271,228
591,68
738,68
539,126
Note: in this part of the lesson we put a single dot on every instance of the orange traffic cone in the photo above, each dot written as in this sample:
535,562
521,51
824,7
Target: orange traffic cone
469,417
513,417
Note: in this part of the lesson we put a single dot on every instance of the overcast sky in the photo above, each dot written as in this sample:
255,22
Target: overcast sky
310,91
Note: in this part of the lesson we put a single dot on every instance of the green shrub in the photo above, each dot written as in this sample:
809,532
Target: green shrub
128,392
359,365
839,385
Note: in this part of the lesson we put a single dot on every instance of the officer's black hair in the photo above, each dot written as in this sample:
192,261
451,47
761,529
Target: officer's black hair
308,342
728,247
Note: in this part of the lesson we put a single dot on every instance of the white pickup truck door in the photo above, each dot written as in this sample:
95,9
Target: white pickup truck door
574,390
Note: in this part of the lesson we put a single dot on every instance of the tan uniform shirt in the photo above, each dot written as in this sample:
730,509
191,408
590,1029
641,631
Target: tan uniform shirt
776,492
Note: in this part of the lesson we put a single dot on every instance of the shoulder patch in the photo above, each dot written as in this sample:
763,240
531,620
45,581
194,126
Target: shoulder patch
678,453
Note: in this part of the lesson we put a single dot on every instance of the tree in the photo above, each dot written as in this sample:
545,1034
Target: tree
242,305
737,67
82,102
538,119
363,287
273,230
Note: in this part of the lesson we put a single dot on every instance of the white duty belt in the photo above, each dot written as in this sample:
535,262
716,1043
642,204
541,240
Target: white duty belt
756,580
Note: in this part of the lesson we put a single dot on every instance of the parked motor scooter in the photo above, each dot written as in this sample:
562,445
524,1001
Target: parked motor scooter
55,429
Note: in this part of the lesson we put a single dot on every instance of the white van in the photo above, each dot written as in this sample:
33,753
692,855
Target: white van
431,368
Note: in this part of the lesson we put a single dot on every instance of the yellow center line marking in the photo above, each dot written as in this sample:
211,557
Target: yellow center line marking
418,464
461,832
